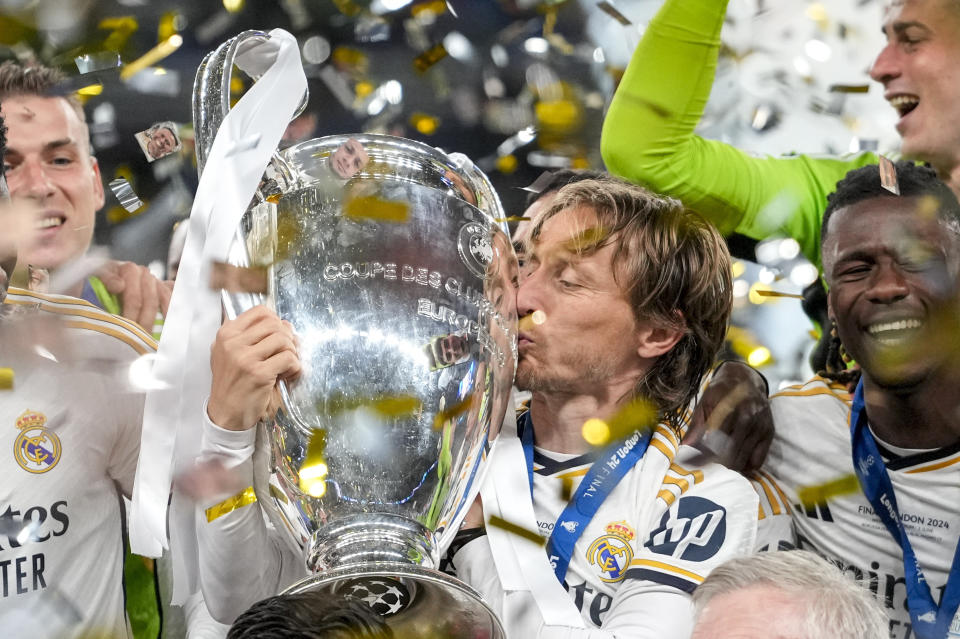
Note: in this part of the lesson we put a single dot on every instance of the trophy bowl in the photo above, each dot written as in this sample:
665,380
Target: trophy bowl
399,283
391,261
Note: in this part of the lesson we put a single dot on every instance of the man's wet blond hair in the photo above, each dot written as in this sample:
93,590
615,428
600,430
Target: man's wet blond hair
674,268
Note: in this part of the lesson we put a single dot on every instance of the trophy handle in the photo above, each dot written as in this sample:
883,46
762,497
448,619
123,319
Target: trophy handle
211,90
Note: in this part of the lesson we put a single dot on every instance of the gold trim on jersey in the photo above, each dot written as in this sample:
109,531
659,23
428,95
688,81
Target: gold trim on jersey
676,486
775,498
136,337
823,387
936,465
231,504
659,565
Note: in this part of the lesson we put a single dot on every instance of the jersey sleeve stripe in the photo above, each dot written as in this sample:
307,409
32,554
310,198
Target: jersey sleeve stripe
667,433
771,499
662,567
682,483
783,498
79,308
667,496
673,581
136,345
697,475
663,448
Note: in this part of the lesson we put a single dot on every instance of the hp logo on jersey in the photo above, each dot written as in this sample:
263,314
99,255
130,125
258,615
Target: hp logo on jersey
612,552
694,531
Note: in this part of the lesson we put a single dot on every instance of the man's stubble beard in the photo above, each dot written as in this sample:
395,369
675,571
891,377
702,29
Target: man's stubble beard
589,366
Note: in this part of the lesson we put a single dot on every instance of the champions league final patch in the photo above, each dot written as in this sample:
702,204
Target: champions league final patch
36,449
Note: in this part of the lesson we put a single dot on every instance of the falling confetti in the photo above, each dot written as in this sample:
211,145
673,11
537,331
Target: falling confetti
430,57
238,279
124,192
152,56
515,529
372,207
454,411
100,61
6,378
770,293
811,496
613,12
888,175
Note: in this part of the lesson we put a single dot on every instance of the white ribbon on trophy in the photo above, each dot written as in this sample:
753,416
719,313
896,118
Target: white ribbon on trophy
173,413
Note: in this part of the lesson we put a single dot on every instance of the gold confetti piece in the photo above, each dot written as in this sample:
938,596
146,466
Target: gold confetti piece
586,241
430,57
6,378
507,164
233,6
768,293
372,207
388,406
170,23
236,502
614,13
811,496
348,8
152,56
454,411
238,279
849,88
513,218
517,530
558,114
928,206
888,175
596,432
121,28
90,90
124,192
760,356
566,488
435,7
424,123
639,414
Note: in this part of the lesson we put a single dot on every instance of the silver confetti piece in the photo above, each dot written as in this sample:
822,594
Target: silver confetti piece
124,192
99,61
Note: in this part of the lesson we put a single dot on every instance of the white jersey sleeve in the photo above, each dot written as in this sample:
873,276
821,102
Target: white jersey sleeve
236,526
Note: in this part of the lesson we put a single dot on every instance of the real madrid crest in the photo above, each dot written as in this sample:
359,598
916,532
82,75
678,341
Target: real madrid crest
36,449
612,552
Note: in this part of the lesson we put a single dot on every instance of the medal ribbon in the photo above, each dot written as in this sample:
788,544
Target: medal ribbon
604,475
929,620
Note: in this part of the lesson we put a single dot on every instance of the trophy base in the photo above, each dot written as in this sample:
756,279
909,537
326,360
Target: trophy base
415,602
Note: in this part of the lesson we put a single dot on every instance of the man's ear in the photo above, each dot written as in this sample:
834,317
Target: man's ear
97,183
654,342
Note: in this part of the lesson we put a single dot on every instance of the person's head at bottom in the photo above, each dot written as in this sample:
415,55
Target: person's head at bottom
309,615
784,595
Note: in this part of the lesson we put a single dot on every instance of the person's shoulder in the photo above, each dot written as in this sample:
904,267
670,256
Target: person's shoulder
815,389
87,323
689,474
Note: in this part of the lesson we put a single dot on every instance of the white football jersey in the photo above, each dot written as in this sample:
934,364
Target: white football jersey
812,447
69,439
666,523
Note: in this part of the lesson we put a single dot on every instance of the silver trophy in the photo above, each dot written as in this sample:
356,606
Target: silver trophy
389,258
